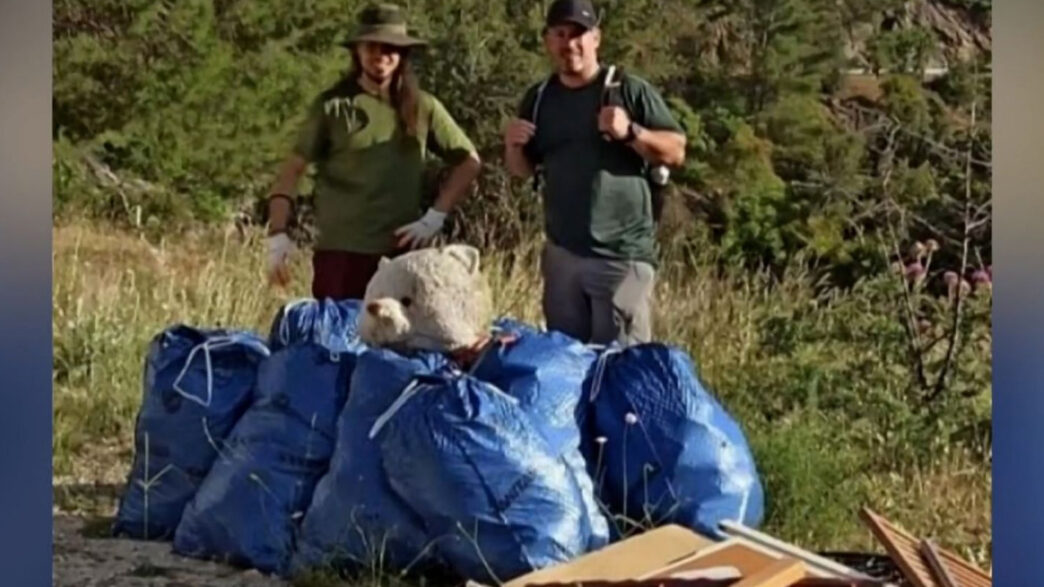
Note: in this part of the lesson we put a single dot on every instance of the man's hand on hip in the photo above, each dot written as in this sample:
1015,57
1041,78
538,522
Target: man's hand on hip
419,233
279,248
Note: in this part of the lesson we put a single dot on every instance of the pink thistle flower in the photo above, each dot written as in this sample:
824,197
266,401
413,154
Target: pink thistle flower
914,271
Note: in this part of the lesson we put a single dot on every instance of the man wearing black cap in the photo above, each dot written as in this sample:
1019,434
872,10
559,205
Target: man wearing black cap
600,259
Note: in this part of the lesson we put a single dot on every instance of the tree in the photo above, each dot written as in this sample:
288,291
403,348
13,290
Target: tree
786,46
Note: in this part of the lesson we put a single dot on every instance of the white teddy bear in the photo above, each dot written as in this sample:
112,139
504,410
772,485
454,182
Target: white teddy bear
432,299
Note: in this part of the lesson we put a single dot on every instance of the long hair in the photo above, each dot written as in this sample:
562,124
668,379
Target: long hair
404,90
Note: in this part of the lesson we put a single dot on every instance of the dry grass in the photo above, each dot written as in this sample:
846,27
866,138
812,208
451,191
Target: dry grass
114,291
950,501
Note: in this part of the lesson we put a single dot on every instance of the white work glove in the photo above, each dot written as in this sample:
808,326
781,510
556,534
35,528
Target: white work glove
279,248
422,231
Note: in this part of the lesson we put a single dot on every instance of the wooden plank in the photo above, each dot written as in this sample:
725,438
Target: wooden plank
624,560
968,574
782,573
822,582
817,565
659,582
905,549
733,552
936,564
902,547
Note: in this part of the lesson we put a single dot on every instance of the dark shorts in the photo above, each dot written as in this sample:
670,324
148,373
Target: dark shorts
342,275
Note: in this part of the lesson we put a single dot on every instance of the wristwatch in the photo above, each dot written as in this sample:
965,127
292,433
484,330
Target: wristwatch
632,133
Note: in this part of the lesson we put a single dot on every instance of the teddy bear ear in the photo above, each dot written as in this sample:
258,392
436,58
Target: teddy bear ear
467,255
384,261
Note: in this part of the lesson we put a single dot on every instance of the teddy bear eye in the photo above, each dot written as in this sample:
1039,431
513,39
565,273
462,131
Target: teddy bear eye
406,302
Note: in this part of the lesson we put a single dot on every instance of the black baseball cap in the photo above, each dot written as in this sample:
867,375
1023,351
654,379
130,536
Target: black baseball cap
579,12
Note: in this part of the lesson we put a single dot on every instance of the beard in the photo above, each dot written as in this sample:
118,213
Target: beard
378,77
571,63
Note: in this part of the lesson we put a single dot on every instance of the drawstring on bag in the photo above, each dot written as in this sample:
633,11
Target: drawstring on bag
284,329
600,367
412,389
213,344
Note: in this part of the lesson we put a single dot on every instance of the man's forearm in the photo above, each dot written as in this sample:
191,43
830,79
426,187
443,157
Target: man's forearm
660,147
457,185
517,163
280,208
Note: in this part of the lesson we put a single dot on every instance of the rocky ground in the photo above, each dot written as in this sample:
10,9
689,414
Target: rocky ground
85,555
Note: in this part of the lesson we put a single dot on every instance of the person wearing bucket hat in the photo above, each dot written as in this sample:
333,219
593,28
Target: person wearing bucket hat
597,139
368,136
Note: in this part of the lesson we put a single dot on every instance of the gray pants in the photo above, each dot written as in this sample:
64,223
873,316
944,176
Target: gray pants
597,300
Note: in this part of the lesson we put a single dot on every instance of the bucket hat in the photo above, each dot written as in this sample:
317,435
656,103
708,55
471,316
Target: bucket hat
383,23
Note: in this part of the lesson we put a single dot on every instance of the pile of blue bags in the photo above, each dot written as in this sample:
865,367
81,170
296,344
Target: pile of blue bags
308,450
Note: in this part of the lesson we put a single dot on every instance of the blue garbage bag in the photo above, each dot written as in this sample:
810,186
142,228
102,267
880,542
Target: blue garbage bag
333,324
668,451
248,508
355,521
197,383
546,372
494,496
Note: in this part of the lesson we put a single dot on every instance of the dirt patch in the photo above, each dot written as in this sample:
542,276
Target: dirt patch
85,556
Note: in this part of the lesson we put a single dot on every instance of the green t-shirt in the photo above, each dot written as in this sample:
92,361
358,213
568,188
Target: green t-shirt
369,178
597,200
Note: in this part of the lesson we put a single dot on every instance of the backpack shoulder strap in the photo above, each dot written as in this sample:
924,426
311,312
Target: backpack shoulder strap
535,110
612,87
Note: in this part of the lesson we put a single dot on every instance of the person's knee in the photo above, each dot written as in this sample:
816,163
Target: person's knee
630,324
631,307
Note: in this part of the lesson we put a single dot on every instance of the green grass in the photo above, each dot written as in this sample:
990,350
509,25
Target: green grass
822,384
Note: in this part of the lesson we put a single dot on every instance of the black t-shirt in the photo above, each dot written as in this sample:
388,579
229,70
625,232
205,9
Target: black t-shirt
597,200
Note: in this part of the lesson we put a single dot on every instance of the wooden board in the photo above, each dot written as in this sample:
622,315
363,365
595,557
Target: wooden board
628,559
782,573
822,582
905,550
734,552
817,566
942,573
757,565
658,582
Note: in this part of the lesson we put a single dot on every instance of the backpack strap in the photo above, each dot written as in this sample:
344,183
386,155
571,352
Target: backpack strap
612,94
611,87
535,110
